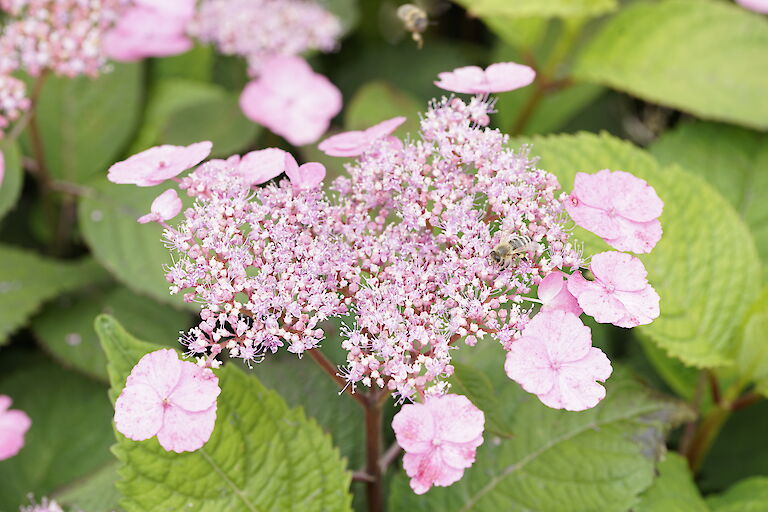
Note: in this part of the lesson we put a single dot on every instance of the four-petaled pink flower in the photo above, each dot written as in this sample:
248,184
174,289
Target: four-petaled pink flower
355,143
620,294
158,164
165,207
499,77
13,425
760,6
619,207
553,294
172,399
439,437
291,100
555,360
306,176
260,166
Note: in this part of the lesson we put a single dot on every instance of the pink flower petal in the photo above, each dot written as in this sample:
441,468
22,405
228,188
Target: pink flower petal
197,389
14,424
185,431
142,32
165,207
460,456
138,412
601,305
637,237
467,79
576,389
157,164
414,428
620,270
499,77
760,6
553,293
428,470
306,176
594,219
384,128
456,418
345,144
160,370
259,167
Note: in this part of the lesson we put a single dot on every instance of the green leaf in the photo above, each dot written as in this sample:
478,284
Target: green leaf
347,11
134,253
86,123
562,461
478,387
262,455
703,294
70,433
195,65
66,330
704,57
377,101
94,493
541,8
27,280
10,185
673,490
752,359
750,495
734,160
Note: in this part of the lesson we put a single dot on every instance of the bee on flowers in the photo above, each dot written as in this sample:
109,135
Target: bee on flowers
511,247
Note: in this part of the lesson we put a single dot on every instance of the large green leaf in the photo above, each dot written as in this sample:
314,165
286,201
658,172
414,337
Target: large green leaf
86,123
750,495
27,280
262,455
734,160
560,461
94,493
70,433
543,8
13,179
752,358
66,331
703,294
673,490
701,56
134,253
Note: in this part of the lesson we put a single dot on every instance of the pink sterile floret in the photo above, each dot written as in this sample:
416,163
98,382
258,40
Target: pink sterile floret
143,31
499,77
165,207
260,166
157,164
620,294
13,425
555,360
760,6
306,176
291,100
168,398
554,294
355,143
620,208
439,438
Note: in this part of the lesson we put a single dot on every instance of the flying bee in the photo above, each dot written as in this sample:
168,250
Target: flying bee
415,20
510,248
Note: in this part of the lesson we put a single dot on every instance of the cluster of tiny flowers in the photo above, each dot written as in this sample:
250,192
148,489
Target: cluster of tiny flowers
404,243
262,29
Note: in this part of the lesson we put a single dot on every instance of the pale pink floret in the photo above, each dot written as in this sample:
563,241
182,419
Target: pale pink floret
760,6
172,399
355,143
554,295
620,294
142,32
291,100
13,426
158,164
306,176
554,359
620,208
260,166
439,438
165,207
499,77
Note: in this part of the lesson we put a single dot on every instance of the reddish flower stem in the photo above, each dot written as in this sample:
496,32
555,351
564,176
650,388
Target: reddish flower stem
328,368
374,488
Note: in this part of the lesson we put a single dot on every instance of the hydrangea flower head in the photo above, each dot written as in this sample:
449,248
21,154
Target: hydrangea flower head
291,100
620,208
13,426
165,207
554,294
355,143
499,77
172,399
439,438
555,360
158,164
620,294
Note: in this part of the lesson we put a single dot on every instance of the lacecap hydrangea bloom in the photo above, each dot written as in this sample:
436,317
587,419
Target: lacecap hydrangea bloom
426,245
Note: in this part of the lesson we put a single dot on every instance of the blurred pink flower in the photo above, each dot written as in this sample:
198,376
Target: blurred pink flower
620,294
165,207
355,143
13,425
260,166
45,505
143,32
620,208
306,176
168,398
499,77
291,100
158,164
554,359
554,295
439,438
760,6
